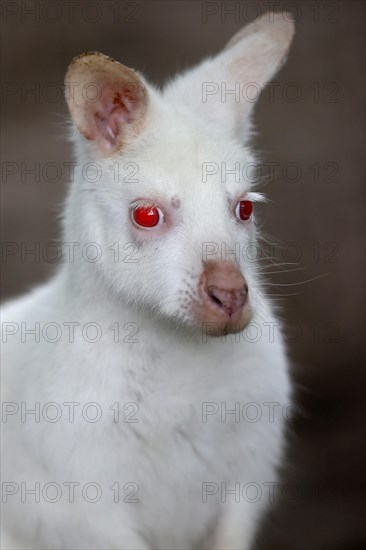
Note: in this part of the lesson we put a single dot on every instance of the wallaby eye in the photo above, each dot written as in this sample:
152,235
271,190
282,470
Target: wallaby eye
243,210
147,215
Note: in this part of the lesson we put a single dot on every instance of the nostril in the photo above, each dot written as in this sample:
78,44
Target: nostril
228,300
214,298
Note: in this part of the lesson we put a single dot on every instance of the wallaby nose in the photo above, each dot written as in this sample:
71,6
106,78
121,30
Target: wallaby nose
223,287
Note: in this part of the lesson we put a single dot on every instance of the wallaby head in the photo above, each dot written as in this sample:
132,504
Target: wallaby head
154,178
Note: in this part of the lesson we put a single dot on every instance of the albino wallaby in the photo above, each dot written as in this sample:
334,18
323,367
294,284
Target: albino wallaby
126,376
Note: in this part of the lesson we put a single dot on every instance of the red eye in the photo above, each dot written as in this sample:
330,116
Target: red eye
147,216
243,210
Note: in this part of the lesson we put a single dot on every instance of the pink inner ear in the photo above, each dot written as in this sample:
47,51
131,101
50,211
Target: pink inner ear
110,112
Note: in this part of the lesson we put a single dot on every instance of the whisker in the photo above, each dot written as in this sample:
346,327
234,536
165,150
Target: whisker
303,282
284,271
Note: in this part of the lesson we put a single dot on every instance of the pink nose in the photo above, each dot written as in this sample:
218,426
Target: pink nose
223,288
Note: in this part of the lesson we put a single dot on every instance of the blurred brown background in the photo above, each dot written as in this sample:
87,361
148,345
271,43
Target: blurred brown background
311,126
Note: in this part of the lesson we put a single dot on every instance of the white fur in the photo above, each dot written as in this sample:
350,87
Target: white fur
170,372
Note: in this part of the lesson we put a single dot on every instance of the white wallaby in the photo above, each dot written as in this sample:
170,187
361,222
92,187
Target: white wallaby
127,378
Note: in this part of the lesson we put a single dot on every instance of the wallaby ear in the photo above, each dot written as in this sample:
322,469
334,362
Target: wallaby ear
259,49
107,101
224,89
